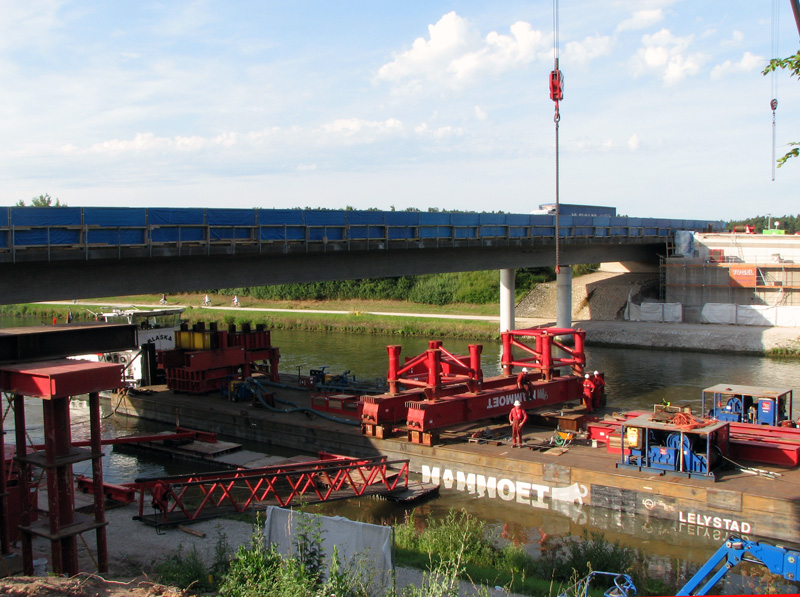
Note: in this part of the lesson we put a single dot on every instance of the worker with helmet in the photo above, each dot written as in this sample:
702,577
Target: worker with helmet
599,395
588,393
517,418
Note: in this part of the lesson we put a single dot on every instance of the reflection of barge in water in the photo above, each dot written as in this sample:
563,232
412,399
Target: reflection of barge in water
450,400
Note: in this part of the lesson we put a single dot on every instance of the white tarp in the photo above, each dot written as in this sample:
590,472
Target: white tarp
759,315
718,313
658,312
368,546
684,243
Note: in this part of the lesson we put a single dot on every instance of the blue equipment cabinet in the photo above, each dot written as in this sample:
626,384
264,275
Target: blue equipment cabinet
695,450
748,404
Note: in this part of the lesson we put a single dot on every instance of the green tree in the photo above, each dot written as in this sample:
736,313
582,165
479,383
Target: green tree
42,201
793,64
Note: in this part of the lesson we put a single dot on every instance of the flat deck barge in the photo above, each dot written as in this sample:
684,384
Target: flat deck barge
737,502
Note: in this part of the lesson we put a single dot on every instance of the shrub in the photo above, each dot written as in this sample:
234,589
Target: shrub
184,570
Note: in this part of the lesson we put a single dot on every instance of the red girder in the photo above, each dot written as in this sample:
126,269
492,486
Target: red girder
544,359
193,497
437,374
437,366
428,416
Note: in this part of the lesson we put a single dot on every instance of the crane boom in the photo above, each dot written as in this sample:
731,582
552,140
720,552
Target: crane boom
796,10
778,560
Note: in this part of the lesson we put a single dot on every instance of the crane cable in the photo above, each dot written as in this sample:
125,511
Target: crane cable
773,78
556,94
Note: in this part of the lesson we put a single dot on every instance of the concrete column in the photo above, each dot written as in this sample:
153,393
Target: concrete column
507,303
564,297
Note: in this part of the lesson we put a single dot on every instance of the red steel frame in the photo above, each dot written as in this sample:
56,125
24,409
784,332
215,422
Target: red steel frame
425,418
194,497
543,357
54,382
447,390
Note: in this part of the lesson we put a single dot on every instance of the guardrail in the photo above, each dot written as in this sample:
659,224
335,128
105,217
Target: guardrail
101,228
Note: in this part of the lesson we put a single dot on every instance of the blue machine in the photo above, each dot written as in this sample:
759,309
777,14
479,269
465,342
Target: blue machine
748,404
664,447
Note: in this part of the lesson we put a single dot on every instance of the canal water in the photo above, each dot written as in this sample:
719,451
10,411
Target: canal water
636,379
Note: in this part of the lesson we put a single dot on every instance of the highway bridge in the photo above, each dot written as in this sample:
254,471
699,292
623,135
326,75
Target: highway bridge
57,253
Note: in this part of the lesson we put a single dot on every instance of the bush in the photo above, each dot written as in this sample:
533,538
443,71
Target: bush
184,570
433,290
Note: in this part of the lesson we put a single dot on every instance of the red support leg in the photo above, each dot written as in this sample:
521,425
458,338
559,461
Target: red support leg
24,485
97,478
5,547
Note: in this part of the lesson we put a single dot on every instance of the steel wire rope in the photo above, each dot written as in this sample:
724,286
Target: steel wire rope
773,78
556,118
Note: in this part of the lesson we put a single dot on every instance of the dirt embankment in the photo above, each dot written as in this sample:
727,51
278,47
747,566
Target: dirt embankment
600,296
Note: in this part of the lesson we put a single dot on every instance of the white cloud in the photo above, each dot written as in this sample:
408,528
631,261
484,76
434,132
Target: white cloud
345,131
667,56
480,113
438,134
737,37
581,52
749,63
456,55
35,23
641,19
358,129
634,142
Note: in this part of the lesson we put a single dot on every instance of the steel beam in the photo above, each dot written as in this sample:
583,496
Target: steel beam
60,379
49,342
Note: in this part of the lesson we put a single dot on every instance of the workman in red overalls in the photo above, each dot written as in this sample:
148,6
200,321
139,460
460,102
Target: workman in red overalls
588,393
599,390
517,418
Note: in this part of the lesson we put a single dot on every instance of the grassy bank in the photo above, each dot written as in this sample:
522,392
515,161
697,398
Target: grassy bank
354,317
454,550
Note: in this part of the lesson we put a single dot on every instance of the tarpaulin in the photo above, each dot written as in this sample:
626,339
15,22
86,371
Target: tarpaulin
230,217
684,243
45,216
367,546
161,216
654,312
115,216
758,315
279,217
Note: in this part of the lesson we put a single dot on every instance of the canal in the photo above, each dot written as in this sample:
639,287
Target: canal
636,379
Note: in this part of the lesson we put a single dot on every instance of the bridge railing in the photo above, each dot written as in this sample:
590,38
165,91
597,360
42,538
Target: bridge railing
23,229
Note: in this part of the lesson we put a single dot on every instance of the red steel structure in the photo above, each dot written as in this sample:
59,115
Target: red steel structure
187,498
437,389
206,359
55,382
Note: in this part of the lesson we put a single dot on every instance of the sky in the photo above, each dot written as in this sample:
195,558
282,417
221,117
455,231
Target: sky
396,105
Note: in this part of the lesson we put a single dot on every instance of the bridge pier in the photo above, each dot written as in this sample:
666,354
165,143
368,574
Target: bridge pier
564,297
507,302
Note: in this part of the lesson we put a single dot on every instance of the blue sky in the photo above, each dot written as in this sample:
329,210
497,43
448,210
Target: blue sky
429,104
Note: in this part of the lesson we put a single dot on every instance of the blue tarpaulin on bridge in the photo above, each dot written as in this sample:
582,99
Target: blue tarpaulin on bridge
115,216
45,216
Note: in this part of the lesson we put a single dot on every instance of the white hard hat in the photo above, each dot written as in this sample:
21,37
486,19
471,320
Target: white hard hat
597,373
524,369
586,376
517,403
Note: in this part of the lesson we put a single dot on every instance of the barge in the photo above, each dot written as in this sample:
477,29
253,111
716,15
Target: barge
765,504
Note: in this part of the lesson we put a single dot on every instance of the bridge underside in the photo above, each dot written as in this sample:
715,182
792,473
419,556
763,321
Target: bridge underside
47,277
